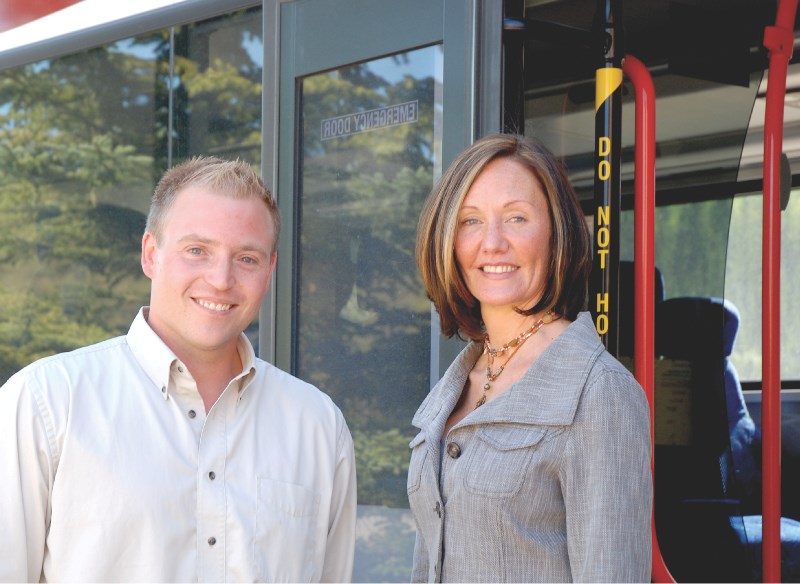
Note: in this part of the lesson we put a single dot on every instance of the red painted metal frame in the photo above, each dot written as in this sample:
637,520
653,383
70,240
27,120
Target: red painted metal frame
779,40
644,258
15,13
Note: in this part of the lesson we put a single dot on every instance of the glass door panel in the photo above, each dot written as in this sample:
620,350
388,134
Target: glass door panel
374,97
370,140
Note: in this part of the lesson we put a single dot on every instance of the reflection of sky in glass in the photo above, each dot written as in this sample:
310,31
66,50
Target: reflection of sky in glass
254,47
251,44
416,64
135,48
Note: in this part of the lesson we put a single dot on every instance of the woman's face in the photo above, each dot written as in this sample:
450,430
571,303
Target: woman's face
503,237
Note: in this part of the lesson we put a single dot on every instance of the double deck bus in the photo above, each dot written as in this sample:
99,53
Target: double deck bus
351,108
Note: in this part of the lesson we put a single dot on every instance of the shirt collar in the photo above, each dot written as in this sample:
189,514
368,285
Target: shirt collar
248,357
156,358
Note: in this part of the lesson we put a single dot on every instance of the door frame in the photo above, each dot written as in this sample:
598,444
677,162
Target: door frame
471,33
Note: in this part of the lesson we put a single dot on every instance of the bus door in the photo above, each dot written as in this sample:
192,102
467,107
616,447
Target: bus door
373,100
708,66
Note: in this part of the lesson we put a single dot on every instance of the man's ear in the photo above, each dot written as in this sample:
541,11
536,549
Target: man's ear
149,249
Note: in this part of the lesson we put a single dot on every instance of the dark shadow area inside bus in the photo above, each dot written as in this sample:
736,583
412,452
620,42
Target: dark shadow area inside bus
708,446
790,446
708,451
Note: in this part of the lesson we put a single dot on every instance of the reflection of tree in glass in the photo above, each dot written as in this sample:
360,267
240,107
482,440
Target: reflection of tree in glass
61,269
82,139
364,192
218,87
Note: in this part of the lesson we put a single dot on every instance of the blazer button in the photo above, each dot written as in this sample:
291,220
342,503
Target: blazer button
453,450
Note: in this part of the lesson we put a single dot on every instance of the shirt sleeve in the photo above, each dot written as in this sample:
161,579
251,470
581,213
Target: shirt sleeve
27,470
607,483
340,547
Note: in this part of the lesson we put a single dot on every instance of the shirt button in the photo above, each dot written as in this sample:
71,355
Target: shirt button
453,450
180,369
192,413
212,540
212,475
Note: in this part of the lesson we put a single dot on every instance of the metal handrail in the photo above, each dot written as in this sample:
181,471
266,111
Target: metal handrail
779,40
644,261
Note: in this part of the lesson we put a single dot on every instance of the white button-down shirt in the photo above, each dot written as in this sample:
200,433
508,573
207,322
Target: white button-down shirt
110,470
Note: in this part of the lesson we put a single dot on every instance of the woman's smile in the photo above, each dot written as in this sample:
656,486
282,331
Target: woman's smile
503,238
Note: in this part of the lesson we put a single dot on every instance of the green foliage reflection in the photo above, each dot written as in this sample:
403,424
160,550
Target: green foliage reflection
82,140
363,318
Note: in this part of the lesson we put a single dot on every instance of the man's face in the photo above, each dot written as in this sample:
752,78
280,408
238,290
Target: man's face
209,270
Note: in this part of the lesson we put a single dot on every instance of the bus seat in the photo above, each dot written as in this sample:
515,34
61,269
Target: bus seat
748,530
710,488
626,300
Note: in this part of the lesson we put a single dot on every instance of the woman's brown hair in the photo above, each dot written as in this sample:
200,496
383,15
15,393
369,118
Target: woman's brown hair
568,273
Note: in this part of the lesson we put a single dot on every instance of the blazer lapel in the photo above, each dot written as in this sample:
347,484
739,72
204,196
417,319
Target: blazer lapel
548,393
432,414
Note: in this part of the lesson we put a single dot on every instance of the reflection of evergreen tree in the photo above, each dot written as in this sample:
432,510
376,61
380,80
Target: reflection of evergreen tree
82,139
216,102
361,199
62,268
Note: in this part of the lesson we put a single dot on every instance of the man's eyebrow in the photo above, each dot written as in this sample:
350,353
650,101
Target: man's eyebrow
248,247
196,238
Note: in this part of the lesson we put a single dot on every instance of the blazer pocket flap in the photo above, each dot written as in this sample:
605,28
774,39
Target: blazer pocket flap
417,440
507,437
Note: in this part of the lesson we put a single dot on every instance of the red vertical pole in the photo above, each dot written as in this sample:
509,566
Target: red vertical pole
779,40
644,258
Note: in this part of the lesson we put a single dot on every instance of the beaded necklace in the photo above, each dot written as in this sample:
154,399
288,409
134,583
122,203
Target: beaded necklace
515,344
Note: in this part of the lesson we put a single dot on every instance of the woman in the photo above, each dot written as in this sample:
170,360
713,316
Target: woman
533,460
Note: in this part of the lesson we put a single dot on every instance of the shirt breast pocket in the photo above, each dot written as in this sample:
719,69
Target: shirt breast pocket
286,531
501,457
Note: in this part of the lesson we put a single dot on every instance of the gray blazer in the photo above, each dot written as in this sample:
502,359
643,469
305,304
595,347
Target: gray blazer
548,482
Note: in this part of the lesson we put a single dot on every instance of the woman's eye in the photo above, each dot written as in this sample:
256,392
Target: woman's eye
469,221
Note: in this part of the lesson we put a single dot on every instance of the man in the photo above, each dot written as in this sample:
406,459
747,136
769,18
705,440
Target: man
173,453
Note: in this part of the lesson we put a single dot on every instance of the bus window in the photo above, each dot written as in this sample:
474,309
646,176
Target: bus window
743,285
709,122
84,137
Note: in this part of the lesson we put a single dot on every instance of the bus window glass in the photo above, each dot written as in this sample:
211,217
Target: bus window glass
75,173
84,137
370,146
743,285
217,88
691,246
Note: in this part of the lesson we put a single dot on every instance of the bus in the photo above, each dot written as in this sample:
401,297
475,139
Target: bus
351,108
